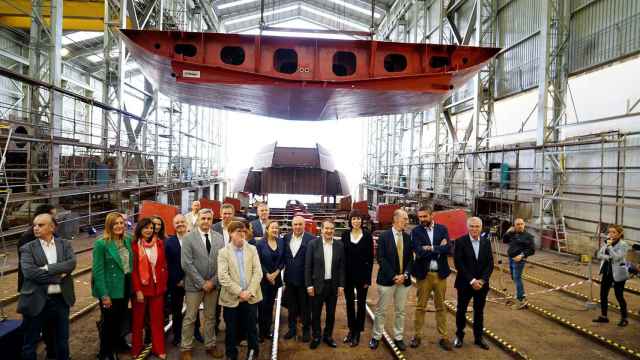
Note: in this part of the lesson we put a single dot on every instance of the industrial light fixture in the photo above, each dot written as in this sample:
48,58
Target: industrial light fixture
333,17
79,36
64,52
235,3
356,8
266,13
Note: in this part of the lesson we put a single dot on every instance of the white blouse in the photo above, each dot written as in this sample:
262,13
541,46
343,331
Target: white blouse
356,240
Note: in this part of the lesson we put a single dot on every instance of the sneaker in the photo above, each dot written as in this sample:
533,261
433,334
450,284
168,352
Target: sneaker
519,305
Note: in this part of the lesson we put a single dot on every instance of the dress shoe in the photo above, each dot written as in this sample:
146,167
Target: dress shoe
623,322
457,342
601,319
185,355
306,337
123,346
445,344
355,340
400,345
415,342
314,343
329,341
215,352
348,338
373,343
289,335
482,344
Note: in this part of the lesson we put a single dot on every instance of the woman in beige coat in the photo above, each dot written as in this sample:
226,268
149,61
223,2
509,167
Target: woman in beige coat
239,274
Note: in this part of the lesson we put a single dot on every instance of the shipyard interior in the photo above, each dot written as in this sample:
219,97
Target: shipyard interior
315,179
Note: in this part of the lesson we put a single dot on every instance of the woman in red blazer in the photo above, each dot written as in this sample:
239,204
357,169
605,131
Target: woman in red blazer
149,282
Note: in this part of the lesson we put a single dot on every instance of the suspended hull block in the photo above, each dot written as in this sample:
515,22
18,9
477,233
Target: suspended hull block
302,78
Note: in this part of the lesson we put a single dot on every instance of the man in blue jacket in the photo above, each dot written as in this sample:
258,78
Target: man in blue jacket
431,268
295,249
395,257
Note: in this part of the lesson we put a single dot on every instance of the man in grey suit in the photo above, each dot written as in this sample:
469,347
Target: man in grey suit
199,258
324,278
47,291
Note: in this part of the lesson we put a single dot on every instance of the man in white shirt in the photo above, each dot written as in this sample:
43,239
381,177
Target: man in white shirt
295,249
325,279
47,292
192,216
227,211
474,262
199,259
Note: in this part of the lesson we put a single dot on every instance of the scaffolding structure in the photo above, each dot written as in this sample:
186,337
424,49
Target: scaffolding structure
453,156
95,136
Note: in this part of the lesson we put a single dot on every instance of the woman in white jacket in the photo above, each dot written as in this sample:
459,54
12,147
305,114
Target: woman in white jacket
614,272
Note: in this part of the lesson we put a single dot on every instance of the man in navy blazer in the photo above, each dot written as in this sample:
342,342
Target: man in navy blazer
295,249
431,269
175,282
474,263
258,225
395,258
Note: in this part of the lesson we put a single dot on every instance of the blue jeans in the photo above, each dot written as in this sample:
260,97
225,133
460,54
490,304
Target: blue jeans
517,268
56,313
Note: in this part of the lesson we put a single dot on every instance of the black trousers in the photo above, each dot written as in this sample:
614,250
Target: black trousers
479,300
111,325
298,301
356,313
265,317
243,316
618,288
327,296
54,314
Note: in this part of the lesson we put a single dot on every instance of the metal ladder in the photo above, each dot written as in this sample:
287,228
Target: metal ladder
559,230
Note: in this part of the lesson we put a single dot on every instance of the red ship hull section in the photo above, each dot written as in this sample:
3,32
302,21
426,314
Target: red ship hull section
313,91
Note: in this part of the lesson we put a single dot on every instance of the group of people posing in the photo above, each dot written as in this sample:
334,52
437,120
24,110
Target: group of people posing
234,269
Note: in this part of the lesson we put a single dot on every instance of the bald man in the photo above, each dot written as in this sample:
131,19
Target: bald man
521,246
47,291
192,216
295,249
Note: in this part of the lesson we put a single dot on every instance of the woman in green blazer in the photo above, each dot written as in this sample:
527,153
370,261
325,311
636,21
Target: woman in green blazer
112,263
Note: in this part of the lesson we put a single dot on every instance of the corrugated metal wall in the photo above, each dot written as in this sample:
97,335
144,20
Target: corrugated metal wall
600,31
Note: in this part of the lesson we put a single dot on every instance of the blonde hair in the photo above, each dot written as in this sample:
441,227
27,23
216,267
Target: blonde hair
109,223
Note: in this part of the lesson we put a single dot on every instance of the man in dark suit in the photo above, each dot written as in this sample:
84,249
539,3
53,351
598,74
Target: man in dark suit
324,278
175,283
226,215
295,248
431,269
259,225
47,292
395,259
48,333
474,263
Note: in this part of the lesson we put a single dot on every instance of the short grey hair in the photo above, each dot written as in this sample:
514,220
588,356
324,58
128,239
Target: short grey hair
204,211
474,219
398,212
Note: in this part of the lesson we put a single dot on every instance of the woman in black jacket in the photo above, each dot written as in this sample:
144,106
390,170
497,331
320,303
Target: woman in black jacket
358,245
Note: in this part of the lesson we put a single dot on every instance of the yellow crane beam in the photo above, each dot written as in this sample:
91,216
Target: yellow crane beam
77,15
